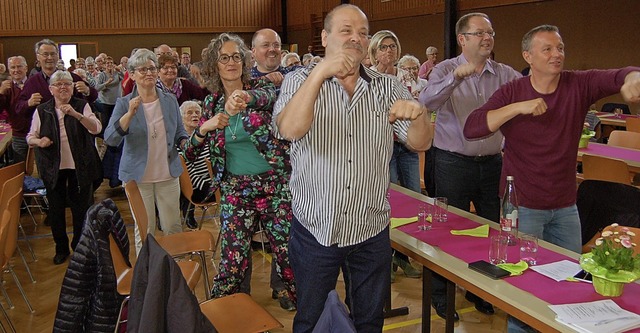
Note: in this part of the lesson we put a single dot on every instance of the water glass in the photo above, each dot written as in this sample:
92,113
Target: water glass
528,248
441,208
498,249
424,212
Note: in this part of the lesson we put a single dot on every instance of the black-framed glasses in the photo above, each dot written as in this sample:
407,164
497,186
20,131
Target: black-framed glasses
167,68
145,70
224,58
414,68
62,84
384,47
480,33
48,54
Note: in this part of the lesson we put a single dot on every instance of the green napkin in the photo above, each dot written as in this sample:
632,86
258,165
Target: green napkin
481,231
515,269
400,221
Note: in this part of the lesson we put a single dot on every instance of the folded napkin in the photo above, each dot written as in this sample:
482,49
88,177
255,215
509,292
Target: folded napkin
515,269
400,221
481,231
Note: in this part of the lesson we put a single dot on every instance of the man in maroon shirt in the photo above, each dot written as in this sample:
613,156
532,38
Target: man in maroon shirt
9,91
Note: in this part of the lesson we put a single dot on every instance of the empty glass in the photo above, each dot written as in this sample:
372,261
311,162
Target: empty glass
528,248
424,215
498,249
441,206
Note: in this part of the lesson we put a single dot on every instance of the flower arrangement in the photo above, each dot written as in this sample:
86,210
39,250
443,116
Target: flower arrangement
586,130
613,257
586,135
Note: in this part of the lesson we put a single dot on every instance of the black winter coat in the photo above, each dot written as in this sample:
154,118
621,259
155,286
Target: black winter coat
89,301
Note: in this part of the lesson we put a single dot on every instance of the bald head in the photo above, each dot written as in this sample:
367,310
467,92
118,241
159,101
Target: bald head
266,47
164,48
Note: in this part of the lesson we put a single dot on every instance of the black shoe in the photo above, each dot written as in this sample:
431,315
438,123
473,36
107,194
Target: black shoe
441,310
60,258
284,300
481,305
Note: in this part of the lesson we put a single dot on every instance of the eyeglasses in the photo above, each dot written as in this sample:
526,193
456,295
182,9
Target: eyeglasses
480,33
62,84
168,68
145,70
224,58
275,45
48,54
414,68
384,47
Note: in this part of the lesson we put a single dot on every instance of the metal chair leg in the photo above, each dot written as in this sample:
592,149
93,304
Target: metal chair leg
6,316
118,322
205,274
33,254
24,295
24,261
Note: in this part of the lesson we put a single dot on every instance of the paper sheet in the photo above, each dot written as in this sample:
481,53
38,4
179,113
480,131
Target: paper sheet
559,270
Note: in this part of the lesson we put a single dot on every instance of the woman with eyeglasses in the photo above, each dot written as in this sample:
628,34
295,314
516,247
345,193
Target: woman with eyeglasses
404,168
410,67
251,167
61,133
148,121
169,82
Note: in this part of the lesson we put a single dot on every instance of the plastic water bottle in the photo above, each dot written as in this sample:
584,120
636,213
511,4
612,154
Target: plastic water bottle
509,213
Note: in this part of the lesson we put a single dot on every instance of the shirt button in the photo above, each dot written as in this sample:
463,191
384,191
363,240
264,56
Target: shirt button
348,187
349,161
345,213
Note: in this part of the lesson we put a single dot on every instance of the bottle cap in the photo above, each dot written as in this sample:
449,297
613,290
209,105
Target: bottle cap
509,178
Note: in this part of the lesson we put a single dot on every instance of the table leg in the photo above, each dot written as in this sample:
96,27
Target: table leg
388,311
451,306
426,299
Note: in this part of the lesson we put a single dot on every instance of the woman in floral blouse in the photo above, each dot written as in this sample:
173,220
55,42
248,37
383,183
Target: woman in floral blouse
251,167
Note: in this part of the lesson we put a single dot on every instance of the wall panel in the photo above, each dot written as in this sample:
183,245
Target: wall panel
89,17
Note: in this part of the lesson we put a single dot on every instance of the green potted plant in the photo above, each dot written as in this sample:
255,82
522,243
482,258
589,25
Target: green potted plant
587,134
612,261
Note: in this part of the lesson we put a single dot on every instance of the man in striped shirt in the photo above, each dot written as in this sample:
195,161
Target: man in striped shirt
341,118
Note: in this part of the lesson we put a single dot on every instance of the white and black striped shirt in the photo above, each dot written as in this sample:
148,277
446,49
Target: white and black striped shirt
340,172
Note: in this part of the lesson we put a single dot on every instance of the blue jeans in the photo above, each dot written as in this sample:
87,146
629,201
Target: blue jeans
365,268
19,147
404,167
558,226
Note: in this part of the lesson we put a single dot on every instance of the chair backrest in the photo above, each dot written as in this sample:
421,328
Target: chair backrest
5,218
9,172
10,202
624,139
137,207
123,276
633,124
30,162
608,107
604,168
186,187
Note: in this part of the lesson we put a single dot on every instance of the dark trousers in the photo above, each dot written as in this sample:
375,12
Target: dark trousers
80,199
464,180
365,268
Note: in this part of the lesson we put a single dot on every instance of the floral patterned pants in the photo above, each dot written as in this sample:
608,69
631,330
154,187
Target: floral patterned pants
247,200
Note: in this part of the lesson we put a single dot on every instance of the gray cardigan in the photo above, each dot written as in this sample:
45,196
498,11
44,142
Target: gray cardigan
135,151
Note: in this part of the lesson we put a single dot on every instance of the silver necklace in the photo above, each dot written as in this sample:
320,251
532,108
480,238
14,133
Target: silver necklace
154,134
235,129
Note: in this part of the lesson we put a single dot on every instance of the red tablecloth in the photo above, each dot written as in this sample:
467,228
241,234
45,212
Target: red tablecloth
612,151
470,249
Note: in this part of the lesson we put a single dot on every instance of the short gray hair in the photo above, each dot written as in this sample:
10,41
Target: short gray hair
432,50
89,60
188,105
289,56
406,58
21,58
140,58
60,76
46,41
528,37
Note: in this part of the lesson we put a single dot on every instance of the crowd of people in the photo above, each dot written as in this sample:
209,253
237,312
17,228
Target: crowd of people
306,147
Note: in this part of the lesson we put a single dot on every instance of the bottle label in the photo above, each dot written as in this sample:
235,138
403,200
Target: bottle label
505,223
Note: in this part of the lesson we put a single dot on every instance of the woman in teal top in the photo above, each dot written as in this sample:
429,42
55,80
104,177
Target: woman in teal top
251,167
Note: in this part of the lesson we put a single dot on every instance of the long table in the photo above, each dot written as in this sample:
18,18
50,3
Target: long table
630,156
525,297
612,119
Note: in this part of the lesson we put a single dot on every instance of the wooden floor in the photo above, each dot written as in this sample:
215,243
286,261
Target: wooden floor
44,293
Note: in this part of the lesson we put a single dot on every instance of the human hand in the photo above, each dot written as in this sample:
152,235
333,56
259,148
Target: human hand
534,107
276,78
630,90
340,65
5,87
406,110
237,102
134,103
82,87
35,99
464,70
44,142
219,121
67,109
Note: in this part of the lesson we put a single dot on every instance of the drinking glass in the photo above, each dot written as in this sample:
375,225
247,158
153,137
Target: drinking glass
498,249
424,212
618,112
528,248
441,207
